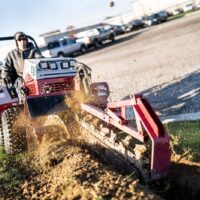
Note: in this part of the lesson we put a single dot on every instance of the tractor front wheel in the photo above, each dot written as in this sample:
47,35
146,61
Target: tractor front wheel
14,132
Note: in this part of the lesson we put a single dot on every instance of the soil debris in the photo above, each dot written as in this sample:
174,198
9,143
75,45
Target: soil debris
70,170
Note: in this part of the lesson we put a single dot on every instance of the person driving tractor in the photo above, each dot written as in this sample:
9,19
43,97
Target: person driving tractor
14,64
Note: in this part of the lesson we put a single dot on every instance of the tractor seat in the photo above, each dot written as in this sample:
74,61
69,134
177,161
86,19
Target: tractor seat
30,45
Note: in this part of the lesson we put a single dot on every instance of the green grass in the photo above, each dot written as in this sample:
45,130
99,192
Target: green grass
189,137
181,14
175,16
12,171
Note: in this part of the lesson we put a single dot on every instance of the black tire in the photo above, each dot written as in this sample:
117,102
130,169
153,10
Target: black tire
83,50
61,54
97,44
112,38
15,140
1,135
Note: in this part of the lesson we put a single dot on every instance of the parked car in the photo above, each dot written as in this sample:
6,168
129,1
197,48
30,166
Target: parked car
176,11
135,24
105,34
95,37
64,47
147,20
117,29
155,18
189,7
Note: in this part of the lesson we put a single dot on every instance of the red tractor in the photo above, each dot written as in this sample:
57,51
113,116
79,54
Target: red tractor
129,130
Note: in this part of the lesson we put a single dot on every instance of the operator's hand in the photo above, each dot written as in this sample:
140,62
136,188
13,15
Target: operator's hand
2,82
24,91
5,82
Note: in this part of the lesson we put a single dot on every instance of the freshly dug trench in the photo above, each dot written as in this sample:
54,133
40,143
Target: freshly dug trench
184,179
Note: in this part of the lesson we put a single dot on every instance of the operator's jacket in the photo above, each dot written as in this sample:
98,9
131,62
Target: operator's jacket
14,64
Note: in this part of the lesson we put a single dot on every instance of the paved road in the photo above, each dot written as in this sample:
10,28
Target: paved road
162,62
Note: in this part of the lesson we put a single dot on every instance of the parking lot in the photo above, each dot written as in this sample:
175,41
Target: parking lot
162,62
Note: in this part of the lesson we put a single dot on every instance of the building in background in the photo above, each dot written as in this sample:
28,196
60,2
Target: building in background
147,7
140,8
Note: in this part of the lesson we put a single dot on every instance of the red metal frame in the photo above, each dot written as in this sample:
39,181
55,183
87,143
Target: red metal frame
46,87
148,124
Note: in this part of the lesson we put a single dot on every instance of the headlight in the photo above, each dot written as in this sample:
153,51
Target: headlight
52,65
44,65
72,63
65,65
48,65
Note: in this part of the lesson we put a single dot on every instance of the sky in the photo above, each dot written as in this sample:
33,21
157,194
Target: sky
35,17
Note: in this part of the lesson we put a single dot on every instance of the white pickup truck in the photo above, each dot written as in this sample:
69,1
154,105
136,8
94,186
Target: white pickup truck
95,37
64,47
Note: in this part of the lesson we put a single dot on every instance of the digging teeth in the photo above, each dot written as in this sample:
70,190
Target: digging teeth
113,137
82,112
121,148
77,117
123,144
139,151
96,122
88,117
128,139
101,126
105,130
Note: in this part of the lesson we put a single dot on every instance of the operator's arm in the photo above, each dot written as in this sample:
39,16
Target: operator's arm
8,71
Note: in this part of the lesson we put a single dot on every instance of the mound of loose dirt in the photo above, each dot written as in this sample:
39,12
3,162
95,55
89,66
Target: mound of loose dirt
69,170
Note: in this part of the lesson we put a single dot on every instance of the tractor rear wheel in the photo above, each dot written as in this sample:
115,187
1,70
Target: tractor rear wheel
14,133
1,135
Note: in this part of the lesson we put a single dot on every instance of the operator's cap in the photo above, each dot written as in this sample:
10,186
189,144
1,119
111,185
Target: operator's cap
19,35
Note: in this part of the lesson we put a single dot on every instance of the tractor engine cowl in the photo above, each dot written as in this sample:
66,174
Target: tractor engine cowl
50,75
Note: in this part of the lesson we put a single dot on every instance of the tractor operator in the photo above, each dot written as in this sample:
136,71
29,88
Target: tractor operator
14,64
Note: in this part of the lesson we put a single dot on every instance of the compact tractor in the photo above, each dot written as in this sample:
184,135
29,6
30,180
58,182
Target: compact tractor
129,131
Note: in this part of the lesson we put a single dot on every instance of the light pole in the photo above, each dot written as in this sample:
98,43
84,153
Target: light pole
112,4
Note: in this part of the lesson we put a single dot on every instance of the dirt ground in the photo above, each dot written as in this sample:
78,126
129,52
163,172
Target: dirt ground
161,62
63,168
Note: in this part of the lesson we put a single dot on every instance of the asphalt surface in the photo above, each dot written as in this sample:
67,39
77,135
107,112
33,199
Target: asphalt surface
161,62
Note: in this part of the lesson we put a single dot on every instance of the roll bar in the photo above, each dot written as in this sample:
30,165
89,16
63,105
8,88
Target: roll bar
12,38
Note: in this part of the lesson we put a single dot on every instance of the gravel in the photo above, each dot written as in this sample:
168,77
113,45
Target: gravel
162,62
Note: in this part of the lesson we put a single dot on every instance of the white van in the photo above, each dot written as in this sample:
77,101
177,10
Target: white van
189,7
